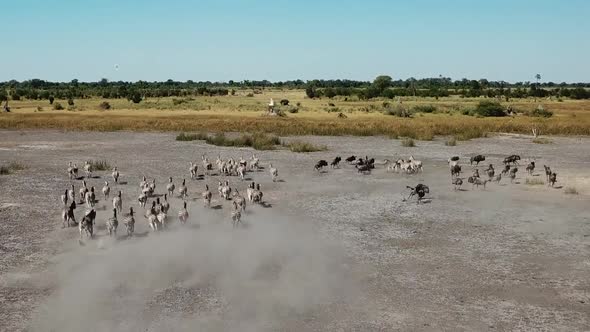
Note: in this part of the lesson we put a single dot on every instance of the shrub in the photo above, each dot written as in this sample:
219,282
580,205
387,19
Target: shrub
332,109
342,116
284,102
571,191
70,101
177,102
293,109
540,111
136,98
408,142
100,165
488,108
331,104
399,110
191,137
250,94
104,106
424,109
256,141
298,146
11,168
534,182
39,109
51,99
298,104
451,141
58,107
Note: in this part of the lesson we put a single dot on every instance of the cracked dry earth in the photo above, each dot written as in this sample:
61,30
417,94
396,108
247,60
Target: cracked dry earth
331,251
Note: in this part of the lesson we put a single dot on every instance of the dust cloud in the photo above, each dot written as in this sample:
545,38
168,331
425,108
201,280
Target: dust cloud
203,276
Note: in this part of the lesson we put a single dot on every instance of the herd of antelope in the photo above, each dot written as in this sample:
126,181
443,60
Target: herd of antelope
157,213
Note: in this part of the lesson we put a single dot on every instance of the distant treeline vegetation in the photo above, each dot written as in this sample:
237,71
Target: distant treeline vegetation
382,86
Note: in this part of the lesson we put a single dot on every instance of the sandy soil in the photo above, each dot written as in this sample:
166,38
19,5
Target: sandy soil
333,251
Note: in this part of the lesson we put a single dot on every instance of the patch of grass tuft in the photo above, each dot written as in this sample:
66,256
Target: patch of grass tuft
191,137
11,168
100,165
542,140
408,142
299,146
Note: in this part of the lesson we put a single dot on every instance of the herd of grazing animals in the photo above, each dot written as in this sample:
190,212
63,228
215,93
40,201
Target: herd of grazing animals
157,215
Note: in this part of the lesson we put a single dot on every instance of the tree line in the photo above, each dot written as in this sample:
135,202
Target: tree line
382,86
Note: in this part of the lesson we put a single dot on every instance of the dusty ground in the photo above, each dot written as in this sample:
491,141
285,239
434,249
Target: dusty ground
336,251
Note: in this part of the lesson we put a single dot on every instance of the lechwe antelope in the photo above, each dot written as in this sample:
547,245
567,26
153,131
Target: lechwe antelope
151,217
106,190
417,164
183,190
88,169
72,170
254,162
240,200
68,215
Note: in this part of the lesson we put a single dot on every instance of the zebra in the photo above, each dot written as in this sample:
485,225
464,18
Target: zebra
240,200
236,214
183,190
112,224
64,198
207,196
274,173
118,202
87,223
129,222
183,214
115,175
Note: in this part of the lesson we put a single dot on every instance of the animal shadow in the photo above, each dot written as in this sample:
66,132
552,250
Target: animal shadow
123,183
144,234
281,181
248,179
461,189
265,205
217,207
558,187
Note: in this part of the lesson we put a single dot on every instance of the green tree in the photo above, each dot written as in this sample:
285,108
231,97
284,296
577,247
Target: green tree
382,82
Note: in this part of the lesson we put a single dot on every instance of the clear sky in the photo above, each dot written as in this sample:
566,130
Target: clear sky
219,40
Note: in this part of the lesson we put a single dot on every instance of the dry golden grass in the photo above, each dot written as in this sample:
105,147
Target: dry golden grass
244,114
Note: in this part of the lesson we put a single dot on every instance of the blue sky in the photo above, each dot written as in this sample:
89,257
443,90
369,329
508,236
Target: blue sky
219,40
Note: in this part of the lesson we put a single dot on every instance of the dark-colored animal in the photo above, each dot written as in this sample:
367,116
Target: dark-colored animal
455,170
530,167
491,172
476,181
365,169
420,190
350,159
547,172
477,159
455,158
513,174
553,178
513,159
458,182
506,169
320,164
87,223
335,162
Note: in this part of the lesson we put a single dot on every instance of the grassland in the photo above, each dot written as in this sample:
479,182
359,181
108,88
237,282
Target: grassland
304,116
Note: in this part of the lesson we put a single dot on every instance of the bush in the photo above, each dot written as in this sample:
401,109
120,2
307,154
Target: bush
70,101
298,146
488,108
51,99
11,168
250,94
191,137
58,107
177,102
342,116
100,165
136,98
256,141
104,106
424,109
452,141
284,102
540,111
39,109
408,142
399,110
